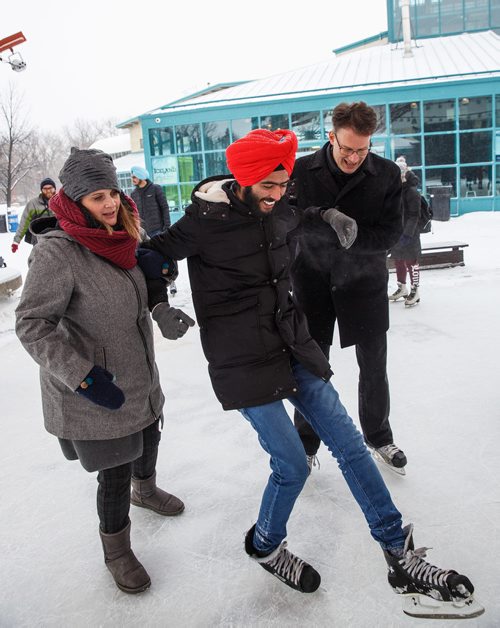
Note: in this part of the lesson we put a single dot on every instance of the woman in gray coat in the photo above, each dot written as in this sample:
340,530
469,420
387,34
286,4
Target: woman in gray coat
407,251
83,317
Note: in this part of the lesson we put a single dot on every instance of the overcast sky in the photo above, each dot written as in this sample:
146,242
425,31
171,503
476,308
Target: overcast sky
99,59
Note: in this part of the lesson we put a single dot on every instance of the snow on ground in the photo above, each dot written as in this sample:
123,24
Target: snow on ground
443,357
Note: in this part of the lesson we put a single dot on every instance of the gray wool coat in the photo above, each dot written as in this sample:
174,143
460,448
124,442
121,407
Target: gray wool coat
77,310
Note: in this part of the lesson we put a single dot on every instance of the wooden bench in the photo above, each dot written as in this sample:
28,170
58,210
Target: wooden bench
439,255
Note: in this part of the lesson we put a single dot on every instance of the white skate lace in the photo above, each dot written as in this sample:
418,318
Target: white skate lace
312,461
417,567
389,450
287,564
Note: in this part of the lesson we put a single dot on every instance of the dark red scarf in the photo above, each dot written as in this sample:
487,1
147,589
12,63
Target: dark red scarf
118,247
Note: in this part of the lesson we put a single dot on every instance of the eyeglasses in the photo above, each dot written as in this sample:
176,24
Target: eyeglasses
347,152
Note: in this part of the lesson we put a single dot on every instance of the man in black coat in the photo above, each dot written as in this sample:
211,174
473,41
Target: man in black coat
340,274
150,201
260,352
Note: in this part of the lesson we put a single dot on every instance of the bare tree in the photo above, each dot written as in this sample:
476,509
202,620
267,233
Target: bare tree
17,140
83,133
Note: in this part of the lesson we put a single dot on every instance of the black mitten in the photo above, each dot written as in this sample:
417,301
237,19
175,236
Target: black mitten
98,387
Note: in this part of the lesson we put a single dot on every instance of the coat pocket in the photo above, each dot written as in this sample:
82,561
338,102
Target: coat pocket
231,334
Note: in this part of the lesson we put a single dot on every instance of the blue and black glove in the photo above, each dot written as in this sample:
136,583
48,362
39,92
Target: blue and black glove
99,388
156,266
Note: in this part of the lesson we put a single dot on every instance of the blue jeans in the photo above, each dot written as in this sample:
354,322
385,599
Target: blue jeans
319,403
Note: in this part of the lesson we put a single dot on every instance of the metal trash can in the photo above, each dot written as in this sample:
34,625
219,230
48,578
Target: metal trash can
3,223
12,221
439,200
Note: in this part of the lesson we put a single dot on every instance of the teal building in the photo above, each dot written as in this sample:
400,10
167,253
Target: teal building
439,106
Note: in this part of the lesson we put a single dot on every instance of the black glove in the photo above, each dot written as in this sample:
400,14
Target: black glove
345,227
98,387
155,266
173,323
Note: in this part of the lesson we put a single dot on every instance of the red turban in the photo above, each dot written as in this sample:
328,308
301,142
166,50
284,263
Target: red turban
253,157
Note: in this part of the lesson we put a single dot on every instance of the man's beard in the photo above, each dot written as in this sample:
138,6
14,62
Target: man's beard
253,201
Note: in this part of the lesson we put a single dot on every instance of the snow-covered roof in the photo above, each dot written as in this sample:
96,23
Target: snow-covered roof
123,164
113,145
439,59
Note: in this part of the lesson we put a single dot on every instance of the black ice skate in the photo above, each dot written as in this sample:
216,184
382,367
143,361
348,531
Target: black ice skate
429,591
290,569
391,457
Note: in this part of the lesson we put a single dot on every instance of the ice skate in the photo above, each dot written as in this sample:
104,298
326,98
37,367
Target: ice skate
287,567
391,457
413,298
312,461
429,592
400,293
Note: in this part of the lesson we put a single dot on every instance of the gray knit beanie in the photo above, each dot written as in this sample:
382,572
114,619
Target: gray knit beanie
86,171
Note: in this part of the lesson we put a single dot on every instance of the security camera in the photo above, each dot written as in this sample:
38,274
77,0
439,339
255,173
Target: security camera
18,65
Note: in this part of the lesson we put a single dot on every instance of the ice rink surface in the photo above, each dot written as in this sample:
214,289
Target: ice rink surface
445,395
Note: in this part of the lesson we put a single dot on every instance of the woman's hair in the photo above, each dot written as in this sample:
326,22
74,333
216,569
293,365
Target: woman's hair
128,219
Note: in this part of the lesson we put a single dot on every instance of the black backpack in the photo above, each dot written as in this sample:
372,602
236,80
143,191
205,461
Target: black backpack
426,214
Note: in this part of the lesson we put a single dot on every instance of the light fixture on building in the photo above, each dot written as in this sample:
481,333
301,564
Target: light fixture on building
157,120
464,101
413,105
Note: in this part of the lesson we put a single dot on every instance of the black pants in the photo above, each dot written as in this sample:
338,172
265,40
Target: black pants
373,396
113,491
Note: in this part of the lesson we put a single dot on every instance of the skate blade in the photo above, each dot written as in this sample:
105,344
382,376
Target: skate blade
419,605
386,465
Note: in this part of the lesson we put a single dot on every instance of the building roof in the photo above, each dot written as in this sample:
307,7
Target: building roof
113,145
125,163
466,56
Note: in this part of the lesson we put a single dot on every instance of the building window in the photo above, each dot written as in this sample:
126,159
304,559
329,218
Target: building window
161,141
439,115
440,149
190,168
275,122
172,197
405,118
216,164
475,147
241,127
381,121
441,176
475,113
125,182
378,147
476,15
452,16
475,181
216,135
408,147
186,193
306,126
188,138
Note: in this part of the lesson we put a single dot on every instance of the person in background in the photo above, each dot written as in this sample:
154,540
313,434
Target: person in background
35,208
340,275
83,317
406,251
152,206
259,352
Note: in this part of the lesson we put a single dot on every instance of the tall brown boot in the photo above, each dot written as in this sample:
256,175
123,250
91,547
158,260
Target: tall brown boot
130,576
146,494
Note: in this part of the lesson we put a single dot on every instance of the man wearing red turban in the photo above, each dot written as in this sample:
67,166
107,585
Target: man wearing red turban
260,352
